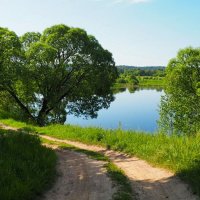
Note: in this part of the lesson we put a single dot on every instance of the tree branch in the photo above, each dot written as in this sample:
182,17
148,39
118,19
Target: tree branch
66,93
22,106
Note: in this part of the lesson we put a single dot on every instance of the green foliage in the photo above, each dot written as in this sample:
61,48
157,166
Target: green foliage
180,108
26,167
43,74
155,71
9,53
142,76
29,38
127,79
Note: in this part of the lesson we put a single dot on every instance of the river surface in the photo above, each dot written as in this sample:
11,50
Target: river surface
132,109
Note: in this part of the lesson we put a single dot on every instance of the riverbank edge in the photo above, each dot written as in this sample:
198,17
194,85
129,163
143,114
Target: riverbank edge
157,83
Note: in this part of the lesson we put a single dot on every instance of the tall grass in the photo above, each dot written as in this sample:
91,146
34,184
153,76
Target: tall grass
26,167
179,154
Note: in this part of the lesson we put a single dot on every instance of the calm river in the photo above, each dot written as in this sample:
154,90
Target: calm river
136,110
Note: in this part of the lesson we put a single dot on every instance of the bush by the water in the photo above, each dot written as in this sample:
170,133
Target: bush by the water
26,167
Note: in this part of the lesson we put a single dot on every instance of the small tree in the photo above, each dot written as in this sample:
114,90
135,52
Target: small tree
180,107
63,70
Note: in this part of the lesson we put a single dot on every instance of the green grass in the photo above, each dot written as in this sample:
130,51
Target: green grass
151,81
143,81
124,191
179,154
26,167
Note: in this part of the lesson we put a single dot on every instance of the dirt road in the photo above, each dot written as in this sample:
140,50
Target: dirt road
148,183
80,178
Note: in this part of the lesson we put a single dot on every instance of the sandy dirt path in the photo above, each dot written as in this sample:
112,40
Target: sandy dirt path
148,183
79,178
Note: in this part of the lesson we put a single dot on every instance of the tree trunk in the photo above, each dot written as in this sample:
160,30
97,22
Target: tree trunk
41,119
43,113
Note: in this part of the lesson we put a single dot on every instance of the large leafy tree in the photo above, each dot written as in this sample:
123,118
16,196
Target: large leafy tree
63,70
180,107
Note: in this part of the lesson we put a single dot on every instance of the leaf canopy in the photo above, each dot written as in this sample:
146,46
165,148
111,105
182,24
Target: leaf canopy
61,70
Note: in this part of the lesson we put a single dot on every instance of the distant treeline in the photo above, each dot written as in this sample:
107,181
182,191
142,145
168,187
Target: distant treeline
123,67
149,75
158,71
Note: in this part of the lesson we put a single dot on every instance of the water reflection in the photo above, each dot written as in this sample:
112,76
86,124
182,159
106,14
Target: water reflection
119,90
133,108
132,88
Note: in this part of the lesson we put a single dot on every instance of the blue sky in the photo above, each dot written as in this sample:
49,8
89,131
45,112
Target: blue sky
137,32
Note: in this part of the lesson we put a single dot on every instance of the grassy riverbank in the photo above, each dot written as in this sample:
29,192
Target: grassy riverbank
143,81
151,81
179,154
26,167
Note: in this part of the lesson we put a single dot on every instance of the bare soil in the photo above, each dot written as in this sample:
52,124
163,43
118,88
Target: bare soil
79,178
